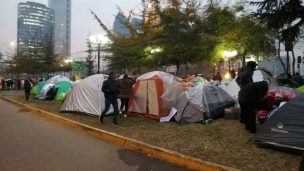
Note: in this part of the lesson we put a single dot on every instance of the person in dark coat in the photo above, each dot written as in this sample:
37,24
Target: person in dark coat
27,89
19,84
245,74
243,78
217,77
110,90
232,73
3,84
301,167
249,98
125,92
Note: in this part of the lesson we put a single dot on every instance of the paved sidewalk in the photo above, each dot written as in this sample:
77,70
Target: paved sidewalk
31,142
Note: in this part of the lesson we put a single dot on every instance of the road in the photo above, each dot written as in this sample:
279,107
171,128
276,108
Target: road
29,142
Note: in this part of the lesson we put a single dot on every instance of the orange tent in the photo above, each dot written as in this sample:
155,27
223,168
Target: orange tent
154,94
189,78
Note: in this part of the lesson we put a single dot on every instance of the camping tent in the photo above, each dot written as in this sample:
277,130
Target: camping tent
301,89
86,96
37,88
43,92
63,88
202,99
197,80
284,129
56,79
49,85
258,75
154,94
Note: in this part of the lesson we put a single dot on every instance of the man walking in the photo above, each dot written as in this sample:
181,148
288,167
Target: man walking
110,90
27,89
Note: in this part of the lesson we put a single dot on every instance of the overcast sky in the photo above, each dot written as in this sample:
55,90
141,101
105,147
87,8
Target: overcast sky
82,20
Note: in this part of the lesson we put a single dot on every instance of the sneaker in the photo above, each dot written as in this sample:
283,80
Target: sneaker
125,115
208,121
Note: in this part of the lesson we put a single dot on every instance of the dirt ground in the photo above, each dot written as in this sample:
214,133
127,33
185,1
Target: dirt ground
223,141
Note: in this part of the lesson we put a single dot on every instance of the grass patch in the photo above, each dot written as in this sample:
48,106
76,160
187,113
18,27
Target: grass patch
223,141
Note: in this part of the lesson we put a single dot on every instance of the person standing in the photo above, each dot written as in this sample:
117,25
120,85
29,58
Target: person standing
250,96
18,83
110,90
125,92
3,84
243,78
301,167
217,77
245,74
27,89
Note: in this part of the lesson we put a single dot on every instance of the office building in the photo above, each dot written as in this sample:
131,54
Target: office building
62,29
35,26
120,28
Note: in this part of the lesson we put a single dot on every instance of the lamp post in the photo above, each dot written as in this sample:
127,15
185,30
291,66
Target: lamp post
99,39
68,62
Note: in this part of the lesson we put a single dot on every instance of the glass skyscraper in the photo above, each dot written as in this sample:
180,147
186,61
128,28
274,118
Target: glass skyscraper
62,31
35,26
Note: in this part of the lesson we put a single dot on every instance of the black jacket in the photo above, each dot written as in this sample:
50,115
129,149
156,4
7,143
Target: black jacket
110,89
27,85
244,76
253,92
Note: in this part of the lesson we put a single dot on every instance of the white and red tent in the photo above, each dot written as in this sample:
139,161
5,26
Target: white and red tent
155,93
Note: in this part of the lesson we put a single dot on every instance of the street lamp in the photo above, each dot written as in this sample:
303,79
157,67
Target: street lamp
99,39
68,62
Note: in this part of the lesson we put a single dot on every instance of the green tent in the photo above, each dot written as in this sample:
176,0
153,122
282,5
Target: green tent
36,89
63,88
301,89
196,80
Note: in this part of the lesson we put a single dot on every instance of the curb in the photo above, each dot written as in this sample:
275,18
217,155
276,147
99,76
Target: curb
151,150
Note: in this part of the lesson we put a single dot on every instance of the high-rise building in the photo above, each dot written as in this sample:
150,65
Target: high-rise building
120,28
62,30
35,26
118,25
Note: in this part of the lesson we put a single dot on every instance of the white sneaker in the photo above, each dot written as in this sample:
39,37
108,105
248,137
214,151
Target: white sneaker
125,115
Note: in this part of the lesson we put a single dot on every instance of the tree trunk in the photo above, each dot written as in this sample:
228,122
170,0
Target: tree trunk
287,62
279,56
293,62
177,69
243,58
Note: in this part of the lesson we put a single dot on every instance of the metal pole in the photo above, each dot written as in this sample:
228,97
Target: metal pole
229,65
98,62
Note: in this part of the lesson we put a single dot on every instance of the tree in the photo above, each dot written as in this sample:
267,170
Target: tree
242,33
89,59
180,33
284,16
48,59
127,50
175,32
35,59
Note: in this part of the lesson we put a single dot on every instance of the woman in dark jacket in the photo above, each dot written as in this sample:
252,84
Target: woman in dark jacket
125,91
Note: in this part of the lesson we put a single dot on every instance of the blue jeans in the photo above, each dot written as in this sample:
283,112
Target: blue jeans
108,103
